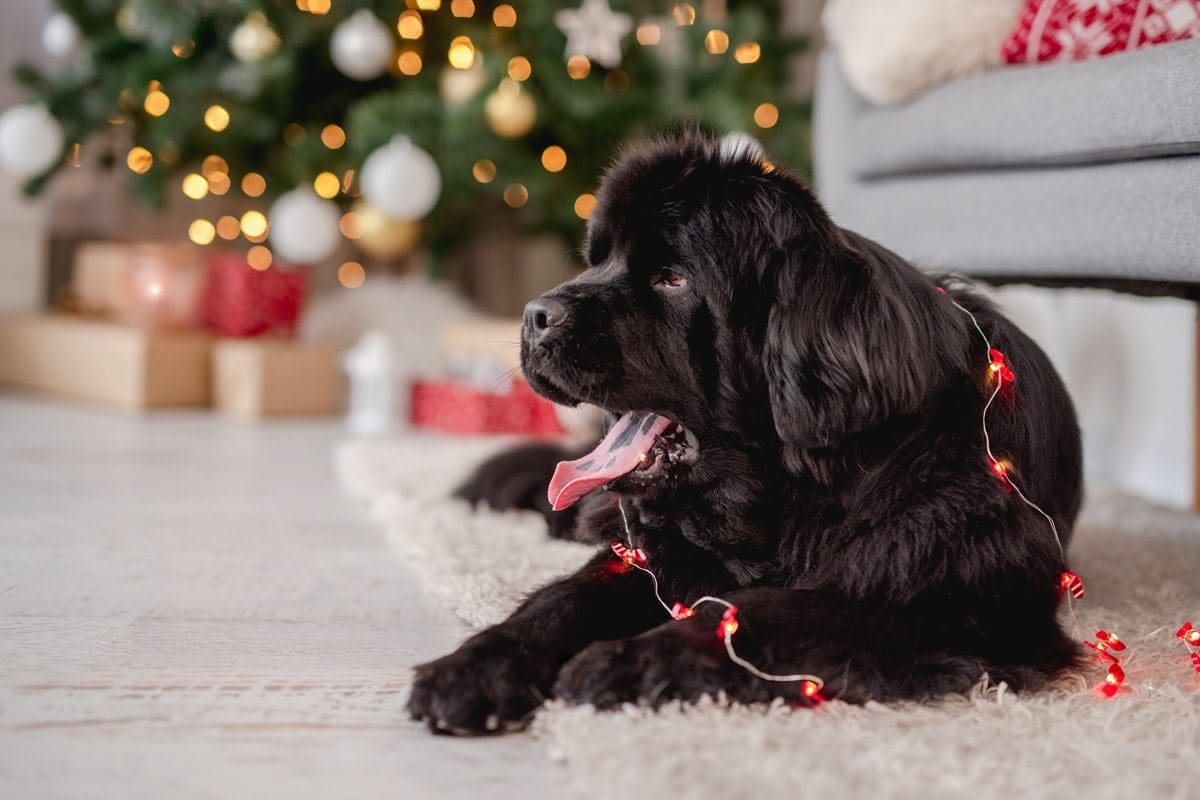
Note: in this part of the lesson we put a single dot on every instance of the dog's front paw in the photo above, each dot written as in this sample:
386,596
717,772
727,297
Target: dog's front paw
490,684
651,669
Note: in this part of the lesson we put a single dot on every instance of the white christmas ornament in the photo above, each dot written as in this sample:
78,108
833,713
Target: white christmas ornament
61,37
401,180
304,228
594,30
31,140
361,46
254,39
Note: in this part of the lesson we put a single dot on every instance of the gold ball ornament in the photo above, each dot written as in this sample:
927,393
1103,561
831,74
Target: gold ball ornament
380,236
254,39
510,111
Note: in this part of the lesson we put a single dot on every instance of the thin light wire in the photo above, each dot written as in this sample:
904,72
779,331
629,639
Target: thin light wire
728,636
987,445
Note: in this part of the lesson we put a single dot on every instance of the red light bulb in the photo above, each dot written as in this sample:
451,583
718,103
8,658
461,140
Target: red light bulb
630,555
1115,676
999,368
1111,639
1071,583
729,623
680,611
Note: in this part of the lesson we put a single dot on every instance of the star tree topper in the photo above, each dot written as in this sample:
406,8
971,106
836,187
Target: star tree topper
594,30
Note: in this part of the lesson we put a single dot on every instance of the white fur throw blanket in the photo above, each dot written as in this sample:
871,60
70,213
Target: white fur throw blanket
892,50
1142,567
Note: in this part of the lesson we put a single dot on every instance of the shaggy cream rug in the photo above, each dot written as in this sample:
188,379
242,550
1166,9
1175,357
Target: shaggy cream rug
1142,567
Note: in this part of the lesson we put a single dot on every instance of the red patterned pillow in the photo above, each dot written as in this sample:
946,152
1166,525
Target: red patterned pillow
1072,30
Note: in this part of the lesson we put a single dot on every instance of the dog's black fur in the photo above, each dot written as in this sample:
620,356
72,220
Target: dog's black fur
842,498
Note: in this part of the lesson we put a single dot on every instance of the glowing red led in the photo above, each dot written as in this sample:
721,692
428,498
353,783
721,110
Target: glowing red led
1111,640
630,555
680,611
998,366
1190,635
1196,662
811,690
1115,676
729,623
1072,583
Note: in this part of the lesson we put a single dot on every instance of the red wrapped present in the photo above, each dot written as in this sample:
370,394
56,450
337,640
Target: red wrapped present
1073,30
460,407
240,301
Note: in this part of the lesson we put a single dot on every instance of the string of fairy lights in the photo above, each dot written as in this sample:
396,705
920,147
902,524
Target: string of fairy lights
510,112
1002,379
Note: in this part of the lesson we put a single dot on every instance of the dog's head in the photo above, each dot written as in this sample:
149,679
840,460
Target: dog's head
723,310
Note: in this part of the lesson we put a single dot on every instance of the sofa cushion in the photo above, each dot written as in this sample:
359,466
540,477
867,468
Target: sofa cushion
1129,106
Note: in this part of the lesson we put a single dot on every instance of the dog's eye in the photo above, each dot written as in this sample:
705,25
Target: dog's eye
670,281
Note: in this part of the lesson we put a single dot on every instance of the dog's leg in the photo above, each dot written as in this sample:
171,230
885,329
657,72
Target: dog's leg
517,478
500,675
861,654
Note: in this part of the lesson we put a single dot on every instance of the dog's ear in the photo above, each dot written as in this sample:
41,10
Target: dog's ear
855,336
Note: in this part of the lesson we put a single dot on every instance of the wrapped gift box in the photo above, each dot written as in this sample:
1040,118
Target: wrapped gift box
253,378
240,301
459,407
105,362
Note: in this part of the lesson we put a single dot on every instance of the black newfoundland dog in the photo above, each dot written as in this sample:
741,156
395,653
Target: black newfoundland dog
800,434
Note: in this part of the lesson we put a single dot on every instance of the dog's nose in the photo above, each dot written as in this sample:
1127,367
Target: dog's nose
543,316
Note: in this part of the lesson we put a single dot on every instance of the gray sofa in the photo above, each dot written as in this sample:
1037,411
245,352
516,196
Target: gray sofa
1077,173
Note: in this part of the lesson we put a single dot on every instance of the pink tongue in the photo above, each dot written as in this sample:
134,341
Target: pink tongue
618,454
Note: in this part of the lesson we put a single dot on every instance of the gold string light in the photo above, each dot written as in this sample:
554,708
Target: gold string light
684,14
554,158
648,34
584,205
351,275
484,171
140,160
259,257
201,231
504,16
351,225
254,224
519,68
327,185
253,184
716,41
216,118
410,26
516,195
409,63
747,53
462,52
766,115
462,8
228,227
195,186
333,136
157,102
578,66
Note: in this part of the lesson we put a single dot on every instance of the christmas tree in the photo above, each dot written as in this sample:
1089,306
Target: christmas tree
448,112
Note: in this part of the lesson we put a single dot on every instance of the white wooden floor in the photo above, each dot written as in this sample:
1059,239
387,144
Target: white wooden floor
191,608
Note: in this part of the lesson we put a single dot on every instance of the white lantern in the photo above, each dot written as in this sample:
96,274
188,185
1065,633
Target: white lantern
31,140
371,368
401,179
304,228
361,46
